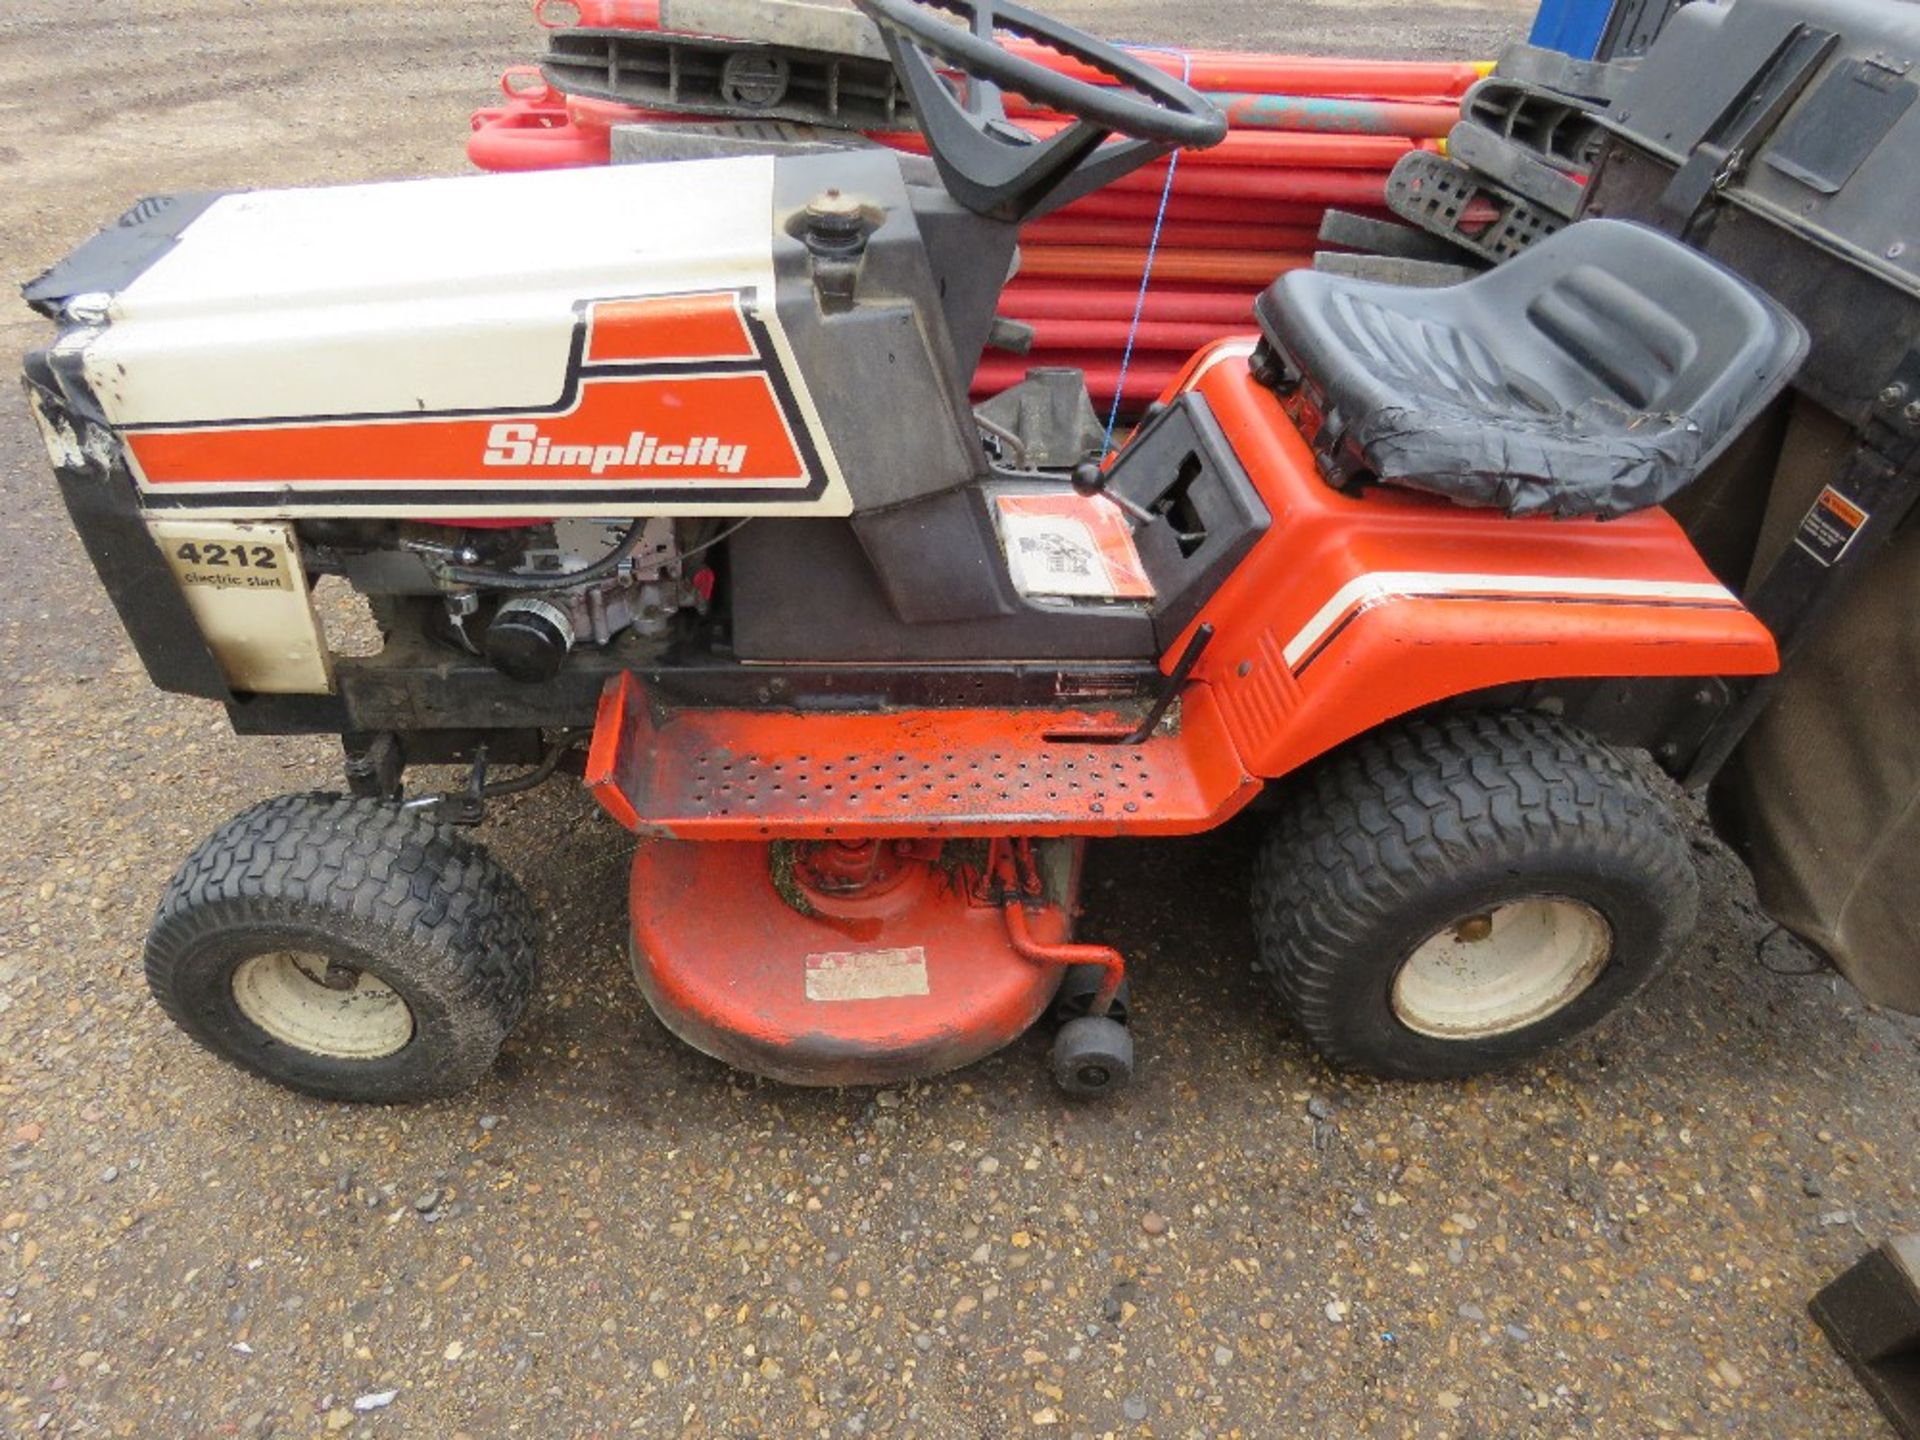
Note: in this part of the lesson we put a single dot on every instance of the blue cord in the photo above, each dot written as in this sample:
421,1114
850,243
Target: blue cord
1153,249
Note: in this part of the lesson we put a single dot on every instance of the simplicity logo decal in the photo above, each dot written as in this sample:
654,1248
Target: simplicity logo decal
523,447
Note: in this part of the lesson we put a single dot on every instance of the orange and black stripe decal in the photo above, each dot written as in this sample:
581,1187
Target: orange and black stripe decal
664,399
659,329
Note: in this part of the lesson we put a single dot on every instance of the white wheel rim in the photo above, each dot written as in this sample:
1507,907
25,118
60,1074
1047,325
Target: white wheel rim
285,993
1502,970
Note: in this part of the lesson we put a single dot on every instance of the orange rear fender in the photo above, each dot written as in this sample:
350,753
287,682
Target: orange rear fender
1352,611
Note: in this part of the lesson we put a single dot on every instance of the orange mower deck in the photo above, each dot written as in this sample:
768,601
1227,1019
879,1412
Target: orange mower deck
912,963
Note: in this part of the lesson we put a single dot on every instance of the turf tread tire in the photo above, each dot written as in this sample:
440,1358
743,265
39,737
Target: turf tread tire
425,907
1385,835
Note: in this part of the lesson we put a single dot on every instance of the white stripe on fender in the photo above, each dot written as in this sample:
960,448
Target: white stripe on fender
1367,591
1223,352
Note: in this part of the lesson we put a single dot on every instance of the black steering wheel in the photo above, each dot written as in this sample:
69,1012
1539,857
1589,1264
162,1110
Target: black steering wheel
991,165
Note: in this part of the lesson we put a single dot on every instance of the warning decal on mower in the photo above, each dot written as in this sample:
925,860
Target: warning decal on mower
1830,527
1070,546
868,975
679,400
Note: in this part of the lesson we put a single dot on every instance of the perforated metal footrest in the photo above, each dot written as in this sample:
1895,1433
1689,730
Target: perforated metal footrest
755,775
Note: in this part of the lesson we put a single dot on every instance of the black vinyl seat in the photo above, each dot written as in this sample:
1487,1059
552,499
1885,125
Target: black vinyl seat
1595,374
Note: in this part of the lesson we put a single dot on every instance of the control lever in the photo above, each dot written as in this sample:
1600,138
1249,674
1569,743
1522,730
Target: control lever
1090,479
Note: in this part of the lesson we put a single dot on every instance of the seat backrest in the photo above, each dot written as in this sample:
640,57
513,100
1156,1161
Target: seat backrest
1611,311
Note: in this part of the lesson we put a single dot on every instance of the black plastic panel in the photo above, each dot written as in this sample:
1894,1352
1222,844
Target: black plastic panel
804,592
120,254
106,514
1840,125
1862,325
1182,468
883,371
700,75
1634,26
1837,166
813,591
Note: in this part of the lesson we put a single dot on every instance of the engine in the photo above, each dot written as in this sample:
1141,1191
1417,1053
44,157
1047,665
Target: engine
524,597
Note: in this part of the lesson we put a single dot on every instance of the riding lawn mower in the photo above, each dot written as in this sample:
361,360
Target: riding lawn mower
697,507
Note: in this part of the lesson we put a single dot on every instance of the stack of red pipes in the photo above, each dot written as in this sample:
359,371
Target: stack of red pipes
1307,133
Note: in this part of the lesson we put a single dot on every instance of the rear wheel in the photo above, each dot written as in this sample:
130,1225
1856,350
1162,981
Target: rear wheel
345,948
1450,895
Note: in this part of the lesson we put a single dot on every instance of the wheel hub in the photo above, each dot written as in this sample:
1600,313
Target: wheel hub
321,1006
1502,970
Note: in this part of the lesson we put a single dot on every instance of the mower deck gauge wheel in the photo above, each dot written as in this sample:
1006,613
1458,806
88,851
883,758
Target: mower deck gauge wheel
1092,1056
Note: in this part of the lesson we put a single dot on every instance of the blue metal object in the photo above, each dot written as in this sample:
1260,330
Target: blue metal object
1573,27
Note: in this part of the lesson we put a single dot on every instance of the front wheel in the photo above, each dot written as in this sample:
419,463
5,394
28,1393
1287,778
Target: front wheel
1450,895
345,948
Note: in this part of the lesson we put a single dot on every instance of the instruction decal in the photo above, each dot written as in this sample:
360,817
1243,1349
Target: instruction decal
1070,546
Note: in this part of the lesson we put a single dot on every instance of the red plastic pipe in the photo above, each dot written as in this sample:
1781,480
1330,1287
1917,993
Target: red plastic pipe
1311,114
1091,262
595,114
515,137
1326,114
1280,172
1346,188
1038,300
1180,235
1237,151
1242,149
1201,209
1297,184
1111,333
1232,71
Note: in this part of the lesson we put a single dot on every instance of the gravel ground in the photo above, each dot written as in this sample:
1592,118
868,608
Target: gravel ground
615,1236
